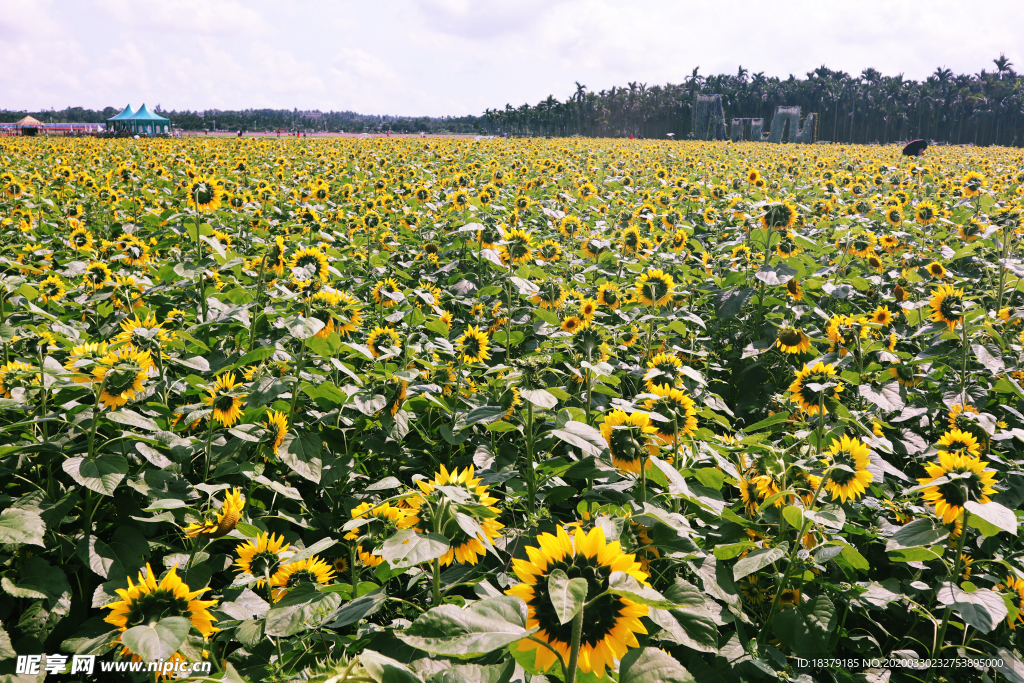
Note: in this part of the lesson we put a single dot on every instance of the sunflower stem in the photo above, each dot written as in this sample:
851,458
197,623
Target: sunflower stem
209,443
531,481
574,653
963,359
937,645
436,565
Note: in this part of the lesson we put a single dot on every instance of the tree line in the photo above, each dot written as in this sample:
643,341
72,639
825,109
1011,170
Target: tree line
267,120
981,109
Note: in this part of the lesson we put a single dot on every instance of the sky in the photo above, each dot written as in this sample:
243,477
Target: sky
457,57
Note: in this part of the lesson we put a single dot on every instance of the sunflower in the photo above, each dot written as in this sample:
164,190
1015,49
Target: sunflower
81,357
80,239
380,338
936,270
779,215
609,295
950,496
204,194
518,246
310,570
144,334
570,226
791,340
224,522
122,373
51,289
926,213
810,400
261,558
314,262
147,602
972,183
1015,586
465,548
277,428
382,290
97,274
904,374
16,375
863,245
654,287
627,438
549,250
629,336
895,218
389,514
794,290
882,316
473,345
610,622
631,241
754,593
225,400
947,306
573,324
853,454
669,371
676,405
959,442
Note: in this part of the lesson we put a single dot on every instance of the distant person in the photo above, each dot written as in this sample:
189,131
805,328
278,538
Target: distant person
239,133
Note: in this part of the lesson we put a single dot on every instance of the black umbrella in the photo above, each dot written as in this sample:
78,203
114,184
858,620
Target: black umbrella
915,148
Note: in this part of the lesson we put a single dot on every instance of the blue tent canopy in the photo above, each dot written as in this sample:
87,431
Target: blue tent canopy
126,113
141,121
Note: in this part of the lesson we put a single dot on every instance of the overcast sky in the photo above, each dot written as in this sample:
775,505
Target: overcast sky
437,57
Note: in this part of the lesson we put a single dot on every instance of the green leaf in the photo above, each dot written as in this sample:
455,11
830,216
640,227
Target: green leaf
133,419
301,609
311,550
567,595
501,427
732,550
982,608
621,583
482,414
539,397
651,665
157,641
386,670
304,328
758,560
913,555
438,327
995,514
101,474
360,608
546,316
482,627
408,548
807,628
477,673
38,580
21,526
767,422
918,533
301,452
793,516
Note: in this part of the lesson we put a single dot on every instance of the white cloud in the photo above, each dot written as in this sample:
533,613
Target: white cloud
456,57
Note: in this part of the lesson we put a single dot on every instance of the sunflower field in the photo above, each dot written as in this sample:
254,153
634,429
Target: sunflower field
454,411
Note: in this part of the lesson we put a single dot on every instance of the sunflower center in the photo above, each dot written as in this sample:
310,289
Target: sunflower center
300,577
121,378
791,337
600,617
224,403
950,307
150,608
